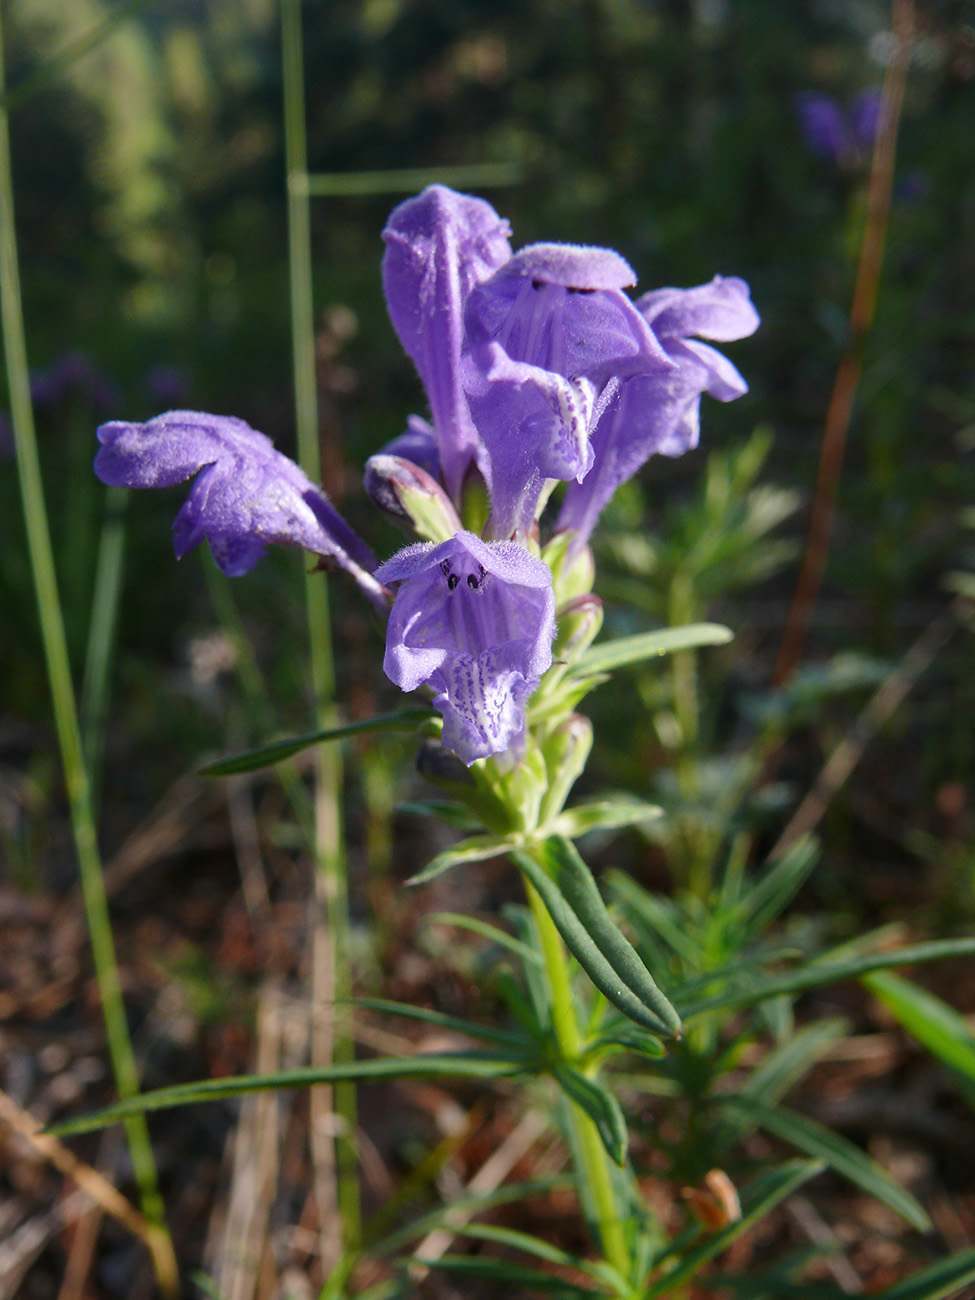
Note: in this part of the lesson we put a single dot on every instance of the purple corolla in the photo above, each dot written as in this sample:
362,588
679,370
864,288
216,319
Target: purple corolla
438,246
474,620
245,495
658,412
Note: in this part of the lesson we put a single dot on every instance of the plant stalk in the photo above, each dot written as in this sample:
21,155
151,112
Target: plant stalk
335,1040
595,1174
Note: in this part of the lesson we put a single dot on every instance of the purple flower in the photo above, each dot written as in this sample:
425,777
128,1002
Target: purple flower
659,412
823,124
245,494
473,620
838,136
865,118
438,246
562,307
74,374
547,333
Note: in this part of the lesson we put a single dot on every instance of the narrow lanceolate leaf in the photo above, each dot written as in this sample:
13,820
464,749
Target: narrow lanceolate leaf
250,760
490,932
590,956
934,1024
606,656
600,1105
819,973
627,1038
941,1280
427,1065
453,1024
515,1278
606,814
476,848
848,1160
757,1200
581,892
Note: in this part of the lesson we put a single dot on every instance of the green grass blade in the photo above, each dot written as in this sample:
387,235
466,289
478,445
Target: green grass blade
102,630
427,1065
439,1020
513,1277
447,1216
934,1024
946,1278
608,655
267,755
490,932
530,1245
66,717
841,1155
824,971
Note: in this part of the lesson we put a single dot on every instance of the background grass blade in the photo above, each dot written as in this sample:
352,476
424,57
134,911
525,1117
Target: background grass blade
815,1140
934,1024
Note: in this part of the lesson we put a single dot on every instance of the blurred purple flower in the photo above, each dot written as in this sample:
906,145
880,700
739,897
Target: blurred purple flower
245,495
473,620
865,118
166,385
659,412
75,374
438,246
838,136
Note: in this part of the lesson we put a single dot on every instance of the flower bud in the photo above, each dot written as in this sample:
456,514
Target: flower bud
409,495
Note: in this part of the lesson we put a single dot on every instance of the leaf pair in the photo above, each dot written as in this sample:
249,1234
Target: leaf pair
565,885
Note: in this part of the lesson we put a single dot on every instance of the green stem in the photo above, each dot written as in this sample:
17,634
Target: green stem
595,1175
328,770
66,720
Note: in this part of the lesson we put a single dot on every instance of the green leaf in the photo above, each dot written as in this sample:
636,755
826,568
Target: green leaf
600,1105
934,1024
605,814
823,971
815,1140
427,1065
493,933
581,892
628,1038
757,1200
514,1277
776,888
476,848
938,1281
589,955
251,759
785,1065
453,1214
531,1245
608,655
455,1024
445,810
